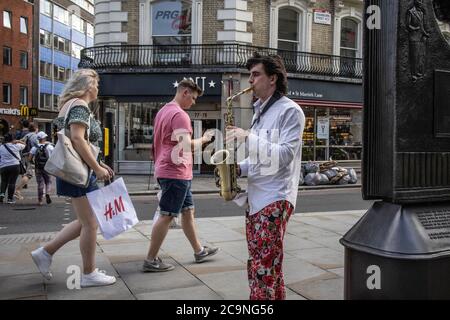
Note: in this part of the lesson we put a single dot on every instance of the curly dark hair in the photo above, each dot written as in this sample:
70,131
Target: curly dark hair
273,64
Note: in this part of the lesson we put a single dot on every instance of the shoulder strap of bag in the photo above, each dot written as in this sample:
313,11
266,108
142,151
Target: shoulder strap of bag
12,153
71,105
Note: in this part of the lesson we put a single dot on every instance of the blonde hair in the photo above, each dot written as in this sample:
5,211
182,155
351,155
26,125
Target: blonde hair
81,81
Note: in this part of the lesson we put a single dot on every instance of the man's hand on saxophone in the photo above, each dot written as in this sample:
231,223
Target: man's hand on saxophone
235,133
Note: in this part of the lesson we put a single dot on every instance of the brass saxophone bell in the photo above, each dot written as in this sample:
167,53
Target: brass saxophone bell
226,169
225,175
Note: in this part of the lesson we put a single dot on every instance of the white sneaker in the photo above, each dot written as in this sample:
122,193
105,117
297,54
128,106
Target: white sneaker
97,278
43,260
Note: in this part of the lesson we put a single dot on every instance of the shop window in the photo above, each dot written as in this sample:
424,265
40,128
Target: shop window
7,56
332,133
345,134
7,19
136,130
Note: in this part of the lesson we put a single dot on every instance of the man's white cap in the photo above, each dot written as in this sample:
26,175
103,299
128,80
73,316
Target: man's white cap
41,135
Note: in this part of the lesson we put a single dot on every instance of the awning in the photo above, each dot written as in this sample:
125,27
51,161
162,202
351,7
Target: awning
329,104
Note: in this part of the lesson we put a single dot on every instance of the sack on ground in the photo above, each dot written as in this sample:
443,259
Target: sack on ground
353,176
311,167
113,209
330,173
344,180
315,179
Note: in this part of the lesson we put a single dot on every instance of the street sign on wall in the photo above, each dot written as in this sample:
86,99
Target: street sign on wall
322,17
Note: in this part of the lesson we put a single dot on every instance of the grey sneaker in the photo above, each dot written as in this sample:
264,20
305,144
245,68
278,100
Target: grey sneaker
207,252
156,266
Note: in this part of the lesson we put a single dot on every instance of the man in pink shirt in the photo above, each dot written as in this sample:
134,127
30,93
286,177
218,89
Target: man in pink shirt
172,149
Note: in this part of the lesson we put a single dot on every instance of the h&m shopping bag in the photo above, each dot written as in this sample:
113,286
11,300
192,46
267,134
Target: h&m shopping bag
113,209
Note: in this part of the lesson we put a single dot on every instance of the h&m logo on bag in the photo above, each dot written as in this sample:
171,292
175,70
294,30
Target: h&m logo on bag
119,207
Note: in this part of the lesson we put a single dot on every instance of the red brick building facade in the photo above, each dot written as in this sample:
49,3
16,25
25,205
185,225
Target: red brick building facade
16,42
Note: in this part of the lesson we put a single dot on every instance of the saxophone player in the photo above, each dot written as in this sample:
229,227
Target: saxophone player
272,194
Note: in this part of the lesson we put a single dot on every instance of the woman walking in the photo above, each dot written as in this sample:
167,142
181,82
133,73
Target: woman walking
80,90
9,166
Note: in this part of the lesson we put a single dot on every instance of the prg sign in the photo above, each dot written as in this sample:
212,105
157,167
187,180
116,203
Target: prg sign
171,18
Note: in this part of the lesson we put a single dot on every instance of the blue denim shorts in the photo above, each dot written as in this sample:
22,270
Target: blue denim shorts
176,196
66,189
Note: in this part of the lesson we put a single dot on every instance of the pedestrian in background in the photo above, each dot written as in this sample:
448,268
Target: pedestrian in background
39,155
31,141
173,170
79,91
9,166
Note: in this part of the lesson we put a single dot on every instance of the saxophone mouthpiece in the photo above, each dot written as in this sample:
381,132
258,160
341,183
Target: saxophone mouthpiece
239,93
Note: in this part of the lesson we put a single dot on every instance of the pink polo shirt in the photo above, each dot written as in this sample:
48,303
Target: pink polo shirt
173,160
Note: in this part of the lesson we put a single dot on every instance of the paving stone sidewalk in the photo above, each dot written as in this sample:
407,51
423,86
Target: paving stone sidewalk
313,262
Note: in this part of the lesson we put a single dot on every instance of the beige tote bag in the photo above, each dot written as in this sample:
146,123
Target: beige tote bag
64,162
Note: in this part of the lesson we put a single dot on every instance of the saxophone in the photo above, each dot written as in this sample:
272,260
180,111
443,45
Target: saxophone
226,173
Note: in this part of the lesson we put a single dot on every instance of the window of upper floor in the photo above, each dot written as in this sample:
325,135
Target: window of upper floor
46,7
86,5
23,94
76,50
45,38
6,93
45,69
349,38
78,24
171,22
89,30
24,59
288,29
7,56
24,25
61,14
61,44
7,19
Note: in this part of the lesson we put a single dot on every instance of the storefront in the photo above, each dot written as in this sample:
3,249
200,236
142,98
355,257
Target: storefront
333,118
8,117
333,112
133,100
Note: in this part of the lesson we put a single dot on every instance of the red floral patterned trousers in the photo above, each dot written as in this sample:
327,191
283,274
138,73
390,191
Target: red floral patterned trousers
265,233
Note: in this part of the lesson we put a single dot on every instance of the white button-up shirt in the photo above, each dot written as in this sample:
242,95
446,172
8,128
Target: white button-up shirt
275,152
